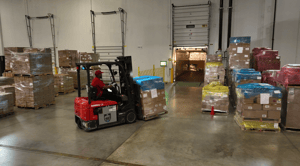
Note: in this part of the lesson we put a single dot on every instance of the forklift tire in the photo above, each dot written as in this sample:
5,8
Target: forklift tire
130,117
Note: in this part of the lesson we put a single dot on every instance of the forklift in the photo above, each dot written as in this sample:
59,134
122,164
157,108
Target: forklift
94,113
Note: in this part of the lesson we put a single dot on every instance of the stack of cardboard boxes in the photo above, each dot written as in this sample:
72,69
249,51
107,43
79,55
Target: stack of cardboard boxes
83,78
259,100
33,77
239,52
7,95
64,83
214,71
215,95
34,92
152,96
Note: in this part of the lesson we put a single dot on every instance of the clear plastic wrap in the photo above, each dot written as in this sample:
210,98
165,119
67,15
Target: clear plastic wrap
267,60
88,57
215,94
68,58
244,76
9,56
242,39
255,89
289,75
8,89
269,77
6,81
64,83
83,78
214,71
36,91
214,58
6,102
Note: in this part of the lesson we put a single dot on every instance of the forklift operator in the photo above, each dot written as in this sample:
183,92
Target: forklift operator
102,88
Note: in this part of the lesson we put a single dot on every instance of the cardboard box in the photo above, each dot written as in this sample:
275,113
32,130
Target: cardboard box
255,114
33,63
274,114
6,102
8,89
64,83
272,107
68,58
6,81
256,107
36,91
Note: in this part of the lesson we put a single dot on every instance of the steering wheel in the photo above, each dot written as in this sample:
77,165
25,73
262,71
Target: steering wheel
116,87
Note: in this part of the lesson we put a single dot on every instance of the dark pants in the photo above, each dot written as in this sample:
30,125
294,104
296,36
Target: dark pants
111,96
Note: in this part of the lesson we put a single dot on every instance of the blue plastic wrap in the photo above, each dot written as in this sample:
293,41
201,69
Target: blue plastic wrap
254,89
150,82
245,39
245,74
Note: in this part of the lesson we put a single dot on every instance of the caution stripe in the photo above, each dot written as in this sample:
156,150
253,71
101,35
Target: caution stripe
69,155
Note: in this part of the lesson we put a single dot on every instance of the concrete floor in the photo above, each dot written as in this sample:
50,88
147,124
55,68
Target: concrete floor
185,136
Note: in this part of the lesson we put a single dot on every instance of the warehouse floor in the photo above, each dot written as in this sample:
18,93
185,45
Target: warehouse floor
185,136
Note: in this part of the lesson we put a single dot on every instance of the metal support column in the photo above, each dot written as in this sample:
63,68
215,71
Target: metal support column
29,31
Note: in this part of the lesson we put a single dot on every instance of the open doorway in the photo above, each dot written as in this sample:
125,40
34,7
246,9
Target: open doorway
189,64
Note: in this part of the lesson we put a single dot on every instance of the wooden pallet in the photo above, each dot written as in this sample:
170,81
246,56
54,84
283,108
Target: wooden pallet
32,75
37,107
259,119
289,129
67,92
155,116
216,112
2,115
239,122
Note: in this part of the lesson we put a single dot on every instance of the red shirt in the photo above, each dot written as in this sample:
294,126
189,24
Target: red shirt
99,85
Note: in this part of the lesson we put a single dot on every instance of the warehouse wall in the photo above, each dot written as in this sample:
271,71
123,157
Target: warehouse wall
287,31
148,25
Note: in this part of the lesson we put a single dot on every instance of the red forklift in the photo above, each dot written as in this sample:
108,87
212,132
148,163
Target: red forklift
93,113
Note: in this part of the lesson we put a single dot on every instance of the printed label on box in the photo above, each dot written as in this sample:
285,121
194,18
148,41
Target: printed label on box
264,115
292,91
240,50
277,91
153,93
145,95
264,98
246,56
276,126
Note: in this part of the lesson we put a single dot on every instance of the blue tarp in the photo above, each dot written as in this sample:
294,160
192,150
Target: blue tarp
254,89
244,39
150,82
245,74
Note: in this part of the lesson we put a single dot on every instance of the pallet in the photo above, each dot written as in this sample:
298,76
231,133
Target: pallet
289,129
216,112
32,75
239,122
2,115
37,107
64,93
154,116
259,119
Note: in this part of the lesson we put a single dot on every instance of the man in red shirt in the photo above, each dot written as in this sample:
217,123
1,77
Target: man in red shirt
97,83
